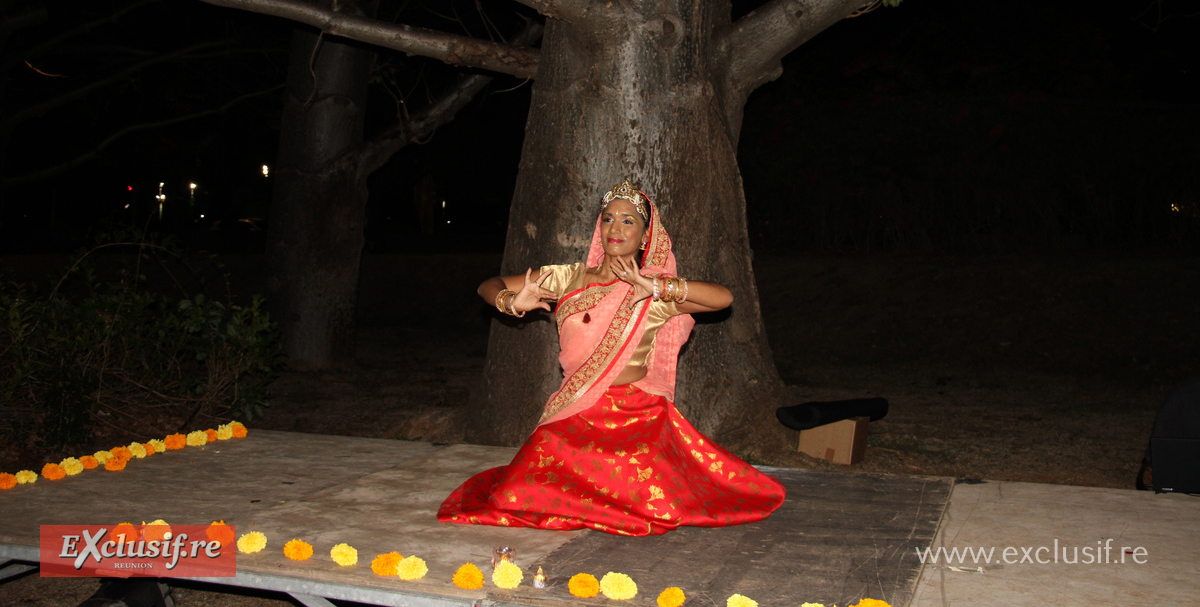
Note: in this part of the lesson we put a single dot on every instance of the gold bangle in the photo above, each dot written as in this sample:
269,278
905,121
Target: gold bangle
512,306
500,301
506,307
685,290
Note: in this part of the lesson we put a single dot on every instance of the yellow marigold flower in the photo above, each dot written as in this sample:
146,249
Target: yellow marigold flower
411,568
71,466
872,603
156,531
224,432
507,575
618,586
121,453
671,597
738,600
159,445
102,457
89,462
251,542
814,605
468,577
584,585
297,550
53,472
138,450
239,430
197,438
386,564
344,554
26,477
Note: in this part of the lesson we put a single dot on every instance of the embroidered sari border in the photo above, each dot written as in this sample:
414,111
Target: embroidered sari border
614,342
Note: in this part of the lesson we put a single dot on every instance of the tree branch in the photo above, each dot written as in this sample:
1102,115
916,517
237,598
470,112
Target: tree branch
423,124
759,40
450,48
78,160
571,11
40,108
85,28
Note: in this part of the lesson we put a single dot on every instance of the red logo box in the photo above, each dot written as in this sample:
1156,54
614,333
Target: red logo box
138,550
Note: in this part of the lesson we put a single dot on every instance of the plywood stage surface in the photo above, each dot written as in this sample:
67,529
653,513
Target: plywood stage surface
838,538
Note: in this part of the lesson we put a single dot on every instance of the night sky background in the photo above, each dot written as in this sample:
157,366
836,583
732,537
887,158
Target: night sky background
937,127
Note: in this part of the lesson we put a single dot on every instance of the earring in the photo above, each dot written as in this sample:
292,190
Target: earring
643,247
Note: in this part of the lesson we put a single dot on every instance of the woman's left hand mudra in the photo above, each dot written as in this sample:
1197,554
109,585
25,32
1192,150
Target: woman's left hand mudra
627,271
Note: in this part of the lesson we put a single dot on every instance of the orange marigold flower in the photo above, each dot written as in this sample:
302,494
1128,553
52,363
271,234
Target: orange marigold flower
218,531
7,480
175,442
126,529
115,464
297,550
468,577
386,564
671,597
89,462
872,603
121,453
211,435
239,430
53,472
149,447
584,585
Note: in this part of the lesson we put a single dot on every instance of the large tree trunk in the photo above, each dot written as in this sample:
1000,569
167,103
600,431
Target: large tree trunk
642,98
316,234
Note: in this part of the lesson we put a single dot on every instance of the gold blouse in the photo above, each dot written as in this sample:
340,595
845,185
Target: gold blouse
569,278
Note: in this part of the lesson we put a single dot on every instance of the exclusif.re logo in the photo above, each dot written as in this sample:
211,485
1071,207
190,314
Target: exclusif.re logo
137,550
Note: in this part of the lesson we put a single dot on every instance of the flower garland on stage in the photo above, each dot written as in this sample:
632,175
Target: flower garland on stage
114,459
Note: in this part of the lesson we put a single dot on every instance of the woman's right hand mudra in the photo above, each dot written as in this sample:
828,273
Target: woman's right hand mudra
531,295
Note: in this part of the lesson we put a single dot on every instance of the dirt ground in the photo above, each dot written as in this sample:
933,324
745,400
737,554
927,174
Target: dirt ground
1046,369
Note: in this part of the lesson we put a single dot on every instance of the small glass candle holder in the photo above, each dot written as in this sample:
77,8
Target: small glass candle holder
502,553
539,579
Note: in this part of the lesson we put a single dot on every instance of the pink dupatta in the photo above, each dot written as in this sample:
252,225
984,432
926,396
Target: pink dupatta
592,354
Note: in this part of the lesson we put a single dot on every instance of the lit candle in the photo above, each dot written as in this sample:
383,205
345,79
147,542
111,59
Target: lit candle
539,579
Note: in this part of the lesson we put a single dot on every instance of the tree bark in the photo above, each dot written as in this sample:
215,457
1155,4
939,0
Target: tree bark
318,213
315,239
644,97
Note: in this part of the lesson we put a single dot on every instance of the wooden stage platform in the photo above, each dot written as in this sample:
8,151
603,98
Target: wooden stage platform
838,538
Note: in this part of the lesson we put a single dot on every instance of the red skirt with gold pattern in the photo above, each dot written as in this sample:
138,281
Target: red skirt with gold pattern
630,465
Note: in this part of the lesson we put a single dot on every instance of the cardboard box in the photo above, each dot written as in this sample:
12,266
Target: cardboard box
842,442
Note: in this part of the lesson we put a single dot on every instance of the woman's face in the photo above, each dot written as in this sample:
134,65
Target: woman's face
623,231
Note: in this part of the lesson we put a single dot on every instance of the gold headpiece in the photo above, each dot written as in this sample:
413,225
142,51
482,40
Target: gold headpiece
629,192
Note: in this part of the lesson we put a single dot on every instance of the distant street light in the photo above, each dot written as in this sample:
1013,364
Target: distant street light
161,198
266,171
